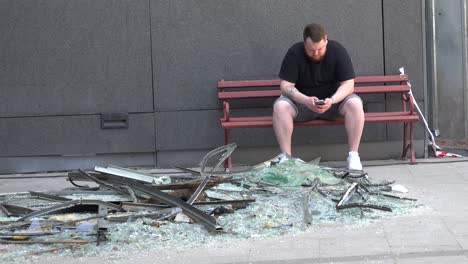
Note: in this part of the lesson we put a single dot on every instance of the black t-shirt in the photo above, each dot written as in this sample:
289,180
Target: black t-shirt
320,79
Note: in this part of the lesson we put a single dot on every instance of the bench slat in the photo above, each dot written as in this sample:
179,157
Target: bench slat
381,79
366,115
382,89
267,121
276,82
249,94
249,83
276,93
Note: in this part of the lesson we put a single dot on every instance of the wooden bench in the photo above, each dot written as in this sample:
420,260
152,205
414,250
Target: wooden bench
251,89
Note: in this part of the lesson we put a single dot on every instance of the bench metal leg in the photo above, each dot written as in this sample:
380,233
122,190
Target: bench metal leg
413,155
227,141
405,144
408,145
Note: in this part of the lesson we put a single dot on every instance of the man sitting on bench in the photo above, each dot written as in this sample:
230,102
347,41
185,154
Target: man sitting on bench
317,82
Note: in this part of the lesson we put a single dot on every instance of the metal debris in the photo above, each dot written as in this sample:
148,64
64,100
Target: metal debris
133,174
50,197
15,210
69,204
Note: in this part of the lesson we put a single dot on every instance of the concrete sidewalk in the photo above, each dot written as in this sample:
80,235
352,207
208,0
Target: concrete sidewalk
436,234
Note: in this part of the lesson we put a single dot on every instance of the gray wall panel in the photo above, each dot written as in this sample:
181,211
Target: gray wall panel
186,158
198,129
62,163
333,152
451,73
305,135
74,135
256,155
73,57
197,43
302,136
395,131
403,41
404,47
188,130
374,132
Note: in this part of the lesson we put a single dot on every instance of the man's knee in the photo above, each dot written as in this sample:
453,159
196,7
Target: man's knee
282,107
353,105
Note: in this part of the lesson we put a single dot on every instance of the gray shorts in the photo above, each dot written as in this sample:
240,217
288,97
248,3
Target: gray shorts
305,114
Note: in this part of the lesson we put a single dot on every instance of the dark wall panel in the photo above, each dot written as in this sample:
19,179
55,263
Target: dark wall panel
188,130
451,70
404,47
251,137
73,57
61,163
403,40
196,43
74,135
201,129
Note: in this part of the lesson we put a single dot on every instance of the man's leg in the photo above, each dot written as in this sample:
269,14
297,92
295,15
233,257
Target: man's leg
283,118
353,113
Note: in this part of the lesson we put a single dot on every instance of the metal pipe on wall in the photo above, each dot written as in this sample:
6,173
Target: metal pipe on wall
465,64
434,90
430,67
424,57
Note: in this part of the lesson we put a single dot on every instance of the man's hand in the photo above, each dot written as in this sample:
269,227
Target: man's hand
319,108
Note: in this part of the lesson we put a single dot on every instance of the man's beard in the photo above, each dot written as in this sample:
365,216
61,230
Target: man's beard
317,59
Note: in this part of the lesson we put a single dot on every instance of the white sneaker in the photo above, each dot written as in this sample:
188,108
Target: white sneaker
354,162
282,157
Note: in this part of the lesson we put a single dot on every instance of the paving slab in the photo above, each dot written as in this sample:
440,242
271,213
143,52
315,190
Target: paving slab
434,260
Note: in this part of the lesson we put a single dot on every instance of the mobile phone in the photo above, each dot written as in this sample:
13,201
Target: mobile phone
319,102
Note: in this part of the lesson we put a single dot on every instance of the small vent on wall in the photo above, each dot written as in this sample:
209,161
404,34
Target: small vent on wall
114,121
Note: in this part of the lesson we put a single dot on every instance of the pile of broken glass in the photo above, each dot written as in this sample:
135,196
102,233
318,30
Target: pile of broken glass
127,207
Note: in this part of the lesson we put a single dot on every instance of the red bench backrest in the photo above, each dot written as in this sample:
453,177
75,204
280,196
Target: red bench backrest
241,87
